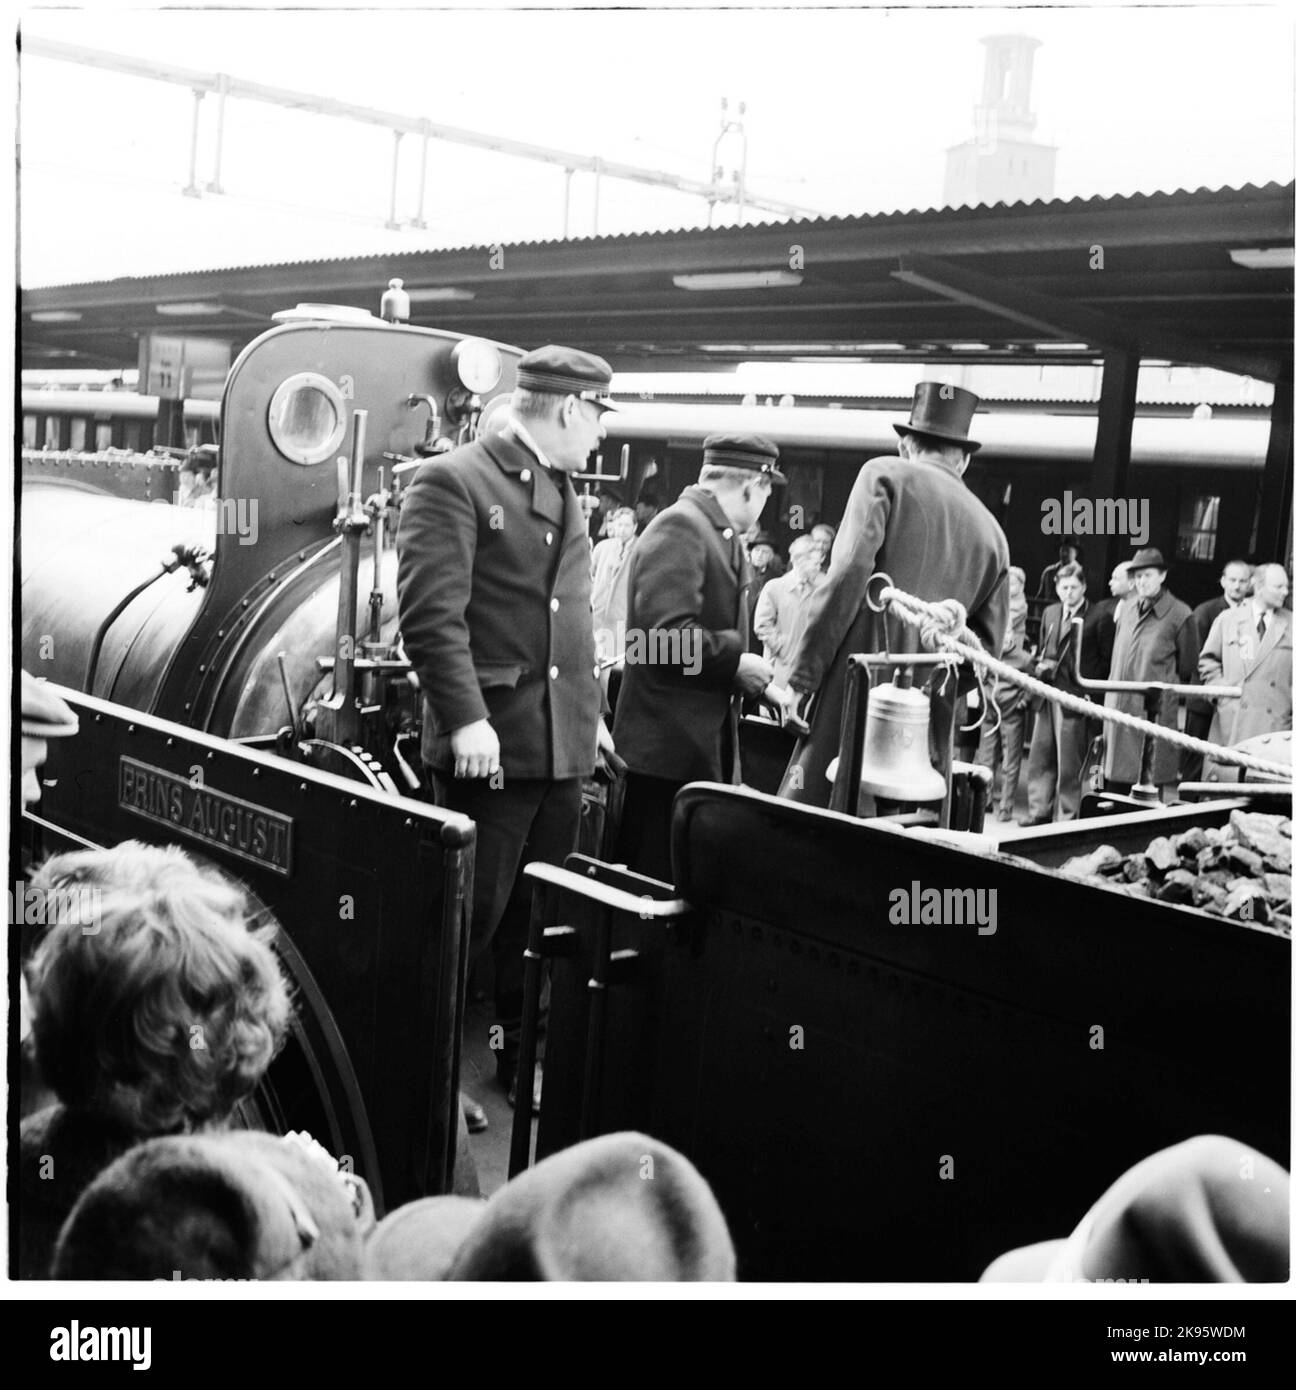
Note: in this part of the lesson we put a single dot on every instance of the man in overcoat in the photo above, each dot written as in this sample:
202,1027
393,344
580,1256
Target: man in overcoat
1251,646
687,664
1155,641
1235,584
494,591
913,518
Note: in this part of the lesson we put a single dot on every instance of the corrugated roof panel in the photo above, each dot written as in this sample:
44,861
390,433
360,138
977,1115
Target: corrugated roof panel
968,214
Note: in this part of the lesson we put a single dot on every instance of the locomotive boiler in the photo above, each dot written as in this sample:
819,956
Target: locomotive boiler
267,615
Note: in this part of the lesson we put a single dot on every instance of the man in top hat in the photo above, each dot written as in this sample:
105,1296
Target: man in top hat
494,592
913,518
1156,640
687,663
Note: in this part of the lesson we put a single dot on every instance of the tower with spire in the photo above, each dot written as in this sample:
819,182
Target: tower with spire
1002,162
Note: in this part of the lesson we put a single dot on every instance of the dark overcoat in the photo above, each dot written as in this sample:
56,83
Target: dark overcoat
919,523
494,590
1160,645
678,719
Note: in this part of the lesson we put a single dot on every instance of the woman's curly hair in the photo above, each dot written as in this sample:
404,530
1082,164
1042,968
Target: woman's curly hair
164,1009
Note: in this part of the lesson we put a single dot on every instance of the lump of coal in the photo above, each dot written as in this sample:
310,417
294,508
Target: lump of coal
1103,860
1162,854
1192,842
1178,887
1278,887
1210,896
1262,835
1241,860
1135,868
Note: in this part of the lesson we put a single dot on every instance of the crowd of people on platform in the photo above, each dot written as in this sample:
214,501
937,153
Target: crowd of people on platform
1141,632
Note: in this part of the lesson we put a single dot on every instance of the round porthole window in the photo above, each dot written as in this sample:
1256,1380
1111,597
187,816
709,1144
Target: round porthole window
307,418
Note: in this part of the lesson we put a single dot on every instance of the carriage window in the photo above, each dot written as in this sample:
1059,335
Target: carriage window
1198,527
307,418
77,439
29,431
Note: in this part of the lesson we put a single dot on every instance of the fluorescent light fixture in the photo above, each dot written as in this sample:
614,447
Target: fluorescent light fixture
737,280
1263,258
969,347
55,316
197,308
438,294
1063,347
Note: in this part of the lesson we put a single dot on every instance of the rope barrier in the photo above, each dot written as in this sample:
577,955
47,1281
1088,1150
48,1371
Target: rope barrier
955,636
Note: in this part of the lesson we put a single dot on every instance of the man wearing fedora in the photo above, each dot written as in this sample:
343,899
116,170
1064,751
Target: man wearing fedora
677,719
1156,640
494,591
913,518
766,566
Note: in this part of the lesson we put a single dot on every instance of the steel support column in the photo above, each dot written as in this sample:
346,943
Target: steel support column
222,91
192,190
419,220
392,223
1273,531
1110,474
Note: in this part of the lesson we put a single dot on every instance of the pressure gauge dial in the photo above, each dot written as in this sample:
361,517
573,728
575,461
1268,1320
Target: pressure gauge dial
478,364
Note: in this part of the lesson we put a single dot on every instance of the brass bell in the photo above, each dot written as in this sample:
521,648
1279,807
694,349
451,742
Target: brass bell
895,763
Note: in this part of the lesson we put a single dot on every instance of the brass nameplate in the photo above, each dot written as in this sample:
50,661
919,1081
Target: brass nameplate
214,817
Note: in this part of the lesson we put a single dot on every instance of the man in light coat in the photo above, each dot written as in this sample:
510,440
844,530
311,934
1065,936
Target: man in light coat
1251,646
781,608
1155,641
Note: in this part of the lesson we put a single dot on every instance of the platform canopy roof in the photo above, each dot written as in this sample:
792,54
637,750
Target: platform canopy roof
1199,277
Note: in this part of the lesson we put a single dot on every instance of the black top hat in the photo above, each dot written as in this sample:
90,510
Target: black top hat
942,411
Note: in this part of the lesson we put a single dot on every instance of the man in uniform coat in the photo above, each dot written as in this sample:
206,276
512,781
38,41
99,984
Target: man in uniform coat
1061,738
1155,641
913,518
687,664
1251,646
494,591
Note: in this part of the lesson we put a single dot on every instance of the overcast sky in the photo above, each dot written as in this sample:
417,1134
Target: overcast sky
848,111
